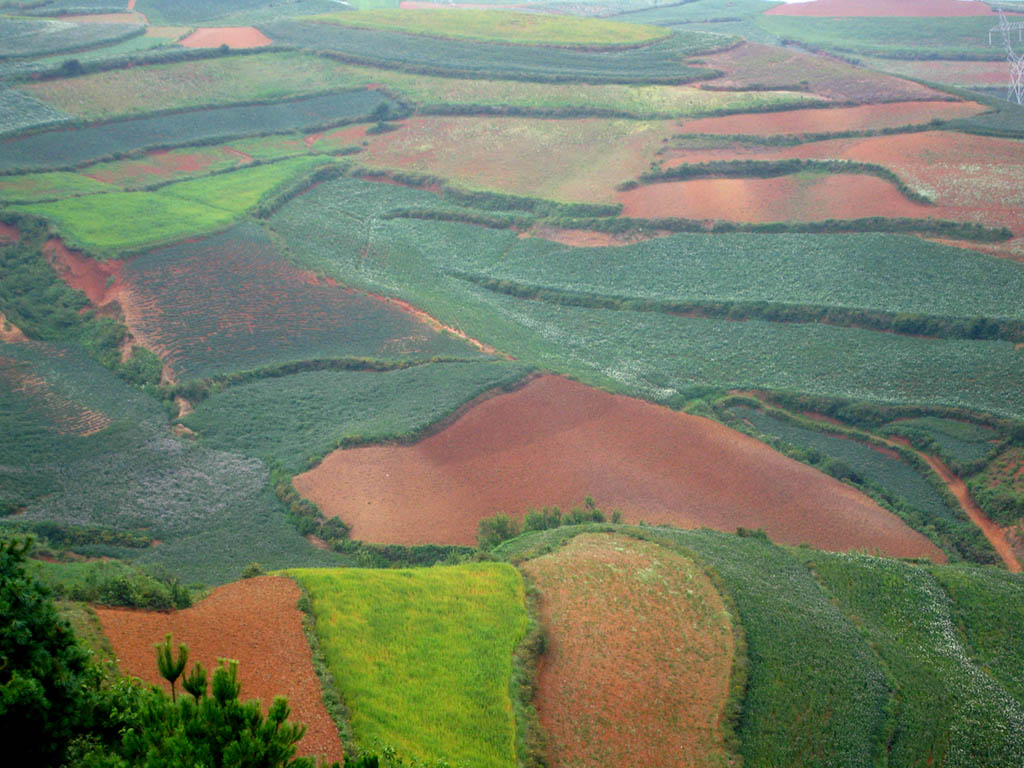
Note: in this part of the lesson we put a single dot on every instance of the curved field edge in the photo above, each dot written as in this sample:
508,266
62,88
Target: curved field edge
423,657
638,659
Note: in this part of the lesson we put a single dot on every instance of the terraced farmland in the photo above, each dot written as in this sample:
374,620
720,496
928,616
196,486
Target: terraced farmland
639,655
443,638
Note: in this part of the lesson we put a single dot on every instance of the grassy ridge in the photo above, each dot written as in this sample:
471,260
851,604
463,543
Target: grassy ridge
503,26
423,658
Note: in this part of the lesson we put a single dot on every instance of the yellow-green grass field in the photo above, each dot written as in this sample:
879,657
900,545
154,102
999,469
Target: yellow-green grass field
577,160
423,657
502,26
105,224
186,84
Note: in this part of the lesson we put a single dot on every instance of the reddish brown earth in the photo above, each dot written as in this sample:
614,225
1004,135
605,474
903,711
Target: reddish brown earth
785,198
96,279
753,64
580,238
233,37
9,332
883,8
822,120
638,657
155,166
254,621
555,441
9,233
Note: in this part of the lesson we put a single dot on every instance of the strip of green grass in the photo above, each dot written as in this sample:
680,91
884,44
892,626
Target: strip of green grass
423,658
504,26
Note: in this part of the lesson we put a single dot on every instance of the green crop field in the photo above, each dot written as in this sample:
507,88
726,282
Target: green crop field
659,62
950,711
504,26
300,417
19,111
211,510
895,37
37,37
54,150
957,442
231,302
423,658
194,11
191,84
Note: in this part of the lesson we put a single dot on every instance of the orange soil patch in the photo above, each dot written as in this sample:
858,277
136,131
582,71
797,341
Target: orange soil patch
69,417
9,233
971,179
91,277
156,165
555,441
573,159
580,238
779,68
639,652
255,621
233,37
9,332
786,198
883,8
864,117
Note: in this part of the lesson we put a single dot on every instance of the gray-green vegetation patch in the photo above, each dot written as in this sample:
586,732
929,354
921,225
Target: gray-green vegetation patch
297,419
63,149
660,62
959,443
242,11
37,37
19,111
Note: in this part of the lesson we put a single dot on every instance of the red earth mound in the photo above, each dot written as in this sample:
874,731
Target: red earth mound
254,621
9,332
232,37
93,278
555,441
9,233
786,198
883,8
638,656
864,117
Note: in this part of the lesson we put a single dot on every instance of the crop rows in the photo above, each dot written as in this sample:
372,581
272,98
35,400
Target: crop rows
441,642
657,63
958,442
19,112
62,149
31,37
303,416
230,303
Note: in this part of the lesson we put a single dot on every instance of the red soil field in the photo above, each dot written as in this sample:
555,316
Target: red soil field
883,8
554,441
638,657
778,68
155,166
9,233
9,332
784,198
801,121
232,37
950,72
254,621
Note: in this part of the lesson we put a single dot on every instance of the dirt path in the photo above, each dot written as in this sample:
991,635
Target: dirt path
436,324
995,534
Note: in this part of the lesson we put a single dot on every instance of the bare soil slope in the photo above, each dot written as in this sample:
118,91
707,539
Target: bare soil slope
555,441
255,621
640,648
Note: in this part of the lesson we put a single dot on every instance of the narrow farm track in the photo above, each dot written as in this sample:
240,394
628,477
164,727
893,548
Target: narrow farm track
254,621
639,653
995,534
555,441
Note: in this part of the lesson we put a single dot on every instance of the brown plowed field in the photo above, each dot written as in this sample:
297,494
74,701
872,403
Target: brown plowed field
555,441
232,37
254,621
966,73
812,197
778,68
864,117
883,8
639,653
970,180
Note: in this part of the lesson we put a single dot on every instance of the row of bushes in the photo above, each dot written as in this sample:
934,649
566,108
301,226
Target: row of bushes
795,139
771,168
876,320
491,531
958,230
64,536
